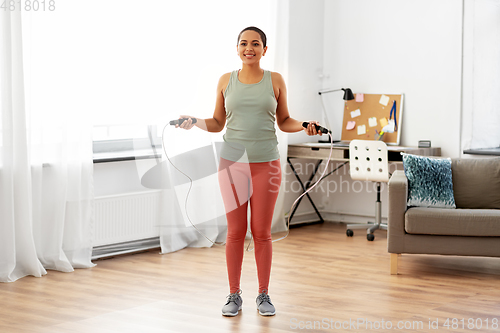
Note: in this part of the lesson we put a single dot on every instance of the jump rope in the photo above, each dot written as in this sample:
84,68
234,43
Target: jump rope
194,120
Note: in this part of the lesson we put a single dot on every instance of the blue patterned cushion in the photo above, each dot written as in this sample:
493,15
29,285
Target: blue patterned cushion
429,181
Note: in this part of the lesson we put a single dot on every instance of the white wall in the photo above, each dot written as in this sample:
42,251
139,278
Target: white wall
120,177
304,65
305,62
410,47
384,46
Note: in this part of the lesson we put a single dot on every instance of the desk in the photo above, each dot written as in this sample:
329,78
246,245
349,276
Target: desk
340,153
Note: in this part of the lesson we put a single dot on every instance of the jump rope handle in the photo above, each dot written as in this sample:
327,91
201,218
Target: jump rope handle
181,120
318,128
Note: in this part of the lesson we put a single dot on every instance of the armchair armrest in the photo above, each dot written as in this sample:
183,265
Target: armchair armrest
398,193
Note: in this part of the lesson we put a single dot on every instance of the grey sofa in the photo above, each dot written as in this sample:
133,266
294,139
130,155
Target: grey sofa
472,229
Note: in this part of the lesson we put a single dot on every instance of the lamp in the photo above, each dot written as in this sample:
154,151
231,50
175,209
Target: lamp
348,96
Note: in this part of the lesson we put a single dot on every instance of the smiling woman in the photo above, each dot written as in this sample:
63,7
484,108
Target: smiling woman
259,44
251,100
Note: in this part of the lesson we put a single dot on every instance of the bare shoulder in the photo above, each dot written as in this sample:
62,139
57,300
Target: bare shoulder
277,79
276,76
223,81
225,78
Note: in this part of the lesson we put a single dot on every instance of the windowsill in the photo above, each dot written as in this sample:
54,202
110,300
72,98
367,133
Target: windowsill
125,155
483,151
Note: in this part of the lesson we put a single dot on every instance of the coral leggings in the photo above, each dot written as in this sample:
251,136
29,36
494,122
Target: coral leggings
241,183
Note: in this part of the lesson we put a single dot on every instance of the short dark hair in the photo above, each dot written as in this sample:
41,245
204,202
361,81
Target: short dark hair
260,32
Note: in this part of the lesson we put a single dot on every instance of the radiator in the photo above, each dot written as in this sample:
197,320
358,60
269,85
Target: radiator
126,218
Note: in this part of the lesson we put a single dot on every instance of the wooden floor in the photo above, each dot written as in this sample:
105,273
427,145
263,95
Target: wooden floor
321,280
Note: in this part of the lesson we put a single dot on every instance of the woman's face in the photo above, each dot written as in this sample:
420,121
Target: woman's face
250,47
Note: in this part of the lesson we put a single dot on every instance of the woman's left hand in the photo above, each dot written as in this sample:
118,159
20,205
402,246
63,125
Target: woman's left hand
311,129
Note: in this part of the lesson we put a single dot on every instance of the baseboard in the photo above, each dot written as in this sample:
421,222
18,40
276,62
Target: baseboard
125,247
311,217
350,218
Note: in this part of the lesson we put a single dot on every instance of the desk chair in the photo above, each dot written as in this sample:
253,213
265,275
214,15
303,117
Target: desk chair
368,161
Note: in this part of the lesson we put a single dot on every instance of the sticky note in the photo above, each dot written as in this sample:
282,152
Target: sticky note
350,125
361,129
384,99
383,122
355,113
360,98
372,122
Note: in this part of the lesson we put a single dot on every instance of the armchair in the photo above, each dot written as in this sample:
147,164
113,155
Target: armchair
472,229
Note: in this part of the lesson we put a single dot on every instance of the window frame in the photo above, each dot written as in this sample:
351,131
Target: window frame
126,149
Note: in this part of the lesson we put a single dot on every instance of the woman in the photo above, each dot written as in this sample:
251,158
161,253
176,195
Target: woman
251,99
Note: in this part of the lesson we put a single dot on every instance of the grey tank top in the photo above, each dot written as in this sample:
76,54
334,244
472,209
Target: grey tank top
250,119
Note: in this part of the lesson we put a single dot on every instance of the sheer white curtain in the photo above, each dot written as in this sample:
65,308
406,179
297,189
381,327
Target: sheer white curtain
46,194
481,115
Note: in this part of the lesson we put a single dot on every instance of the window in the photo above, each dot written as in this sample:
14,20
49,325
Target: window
135,63
481,101
127,140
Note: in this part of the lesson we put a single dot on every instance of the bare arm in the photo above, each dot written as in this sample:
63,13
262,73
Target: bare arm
218,121
285,122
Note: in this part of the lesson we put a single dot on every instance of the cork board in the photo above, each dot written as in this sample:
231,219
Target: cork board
366,112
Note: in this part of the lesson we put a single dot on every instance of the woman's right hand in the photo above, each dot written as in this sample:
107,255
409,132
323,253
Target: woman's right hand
186,124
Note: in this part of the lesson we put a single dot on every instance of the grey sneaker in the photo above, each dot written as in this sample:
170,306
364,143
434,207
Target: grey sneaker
233,304
264,305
